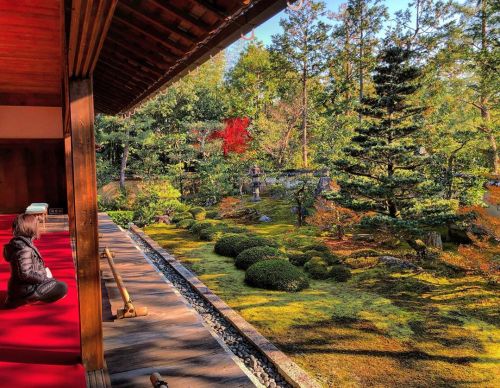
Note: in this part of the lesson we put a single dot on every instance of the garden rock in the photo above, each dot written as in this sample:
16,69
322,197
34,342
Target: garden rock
265,218
394,262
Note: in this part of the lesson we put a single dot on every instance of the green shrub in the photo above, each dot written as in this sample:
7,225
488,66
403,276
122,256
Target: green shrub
254,241
340,273
316,247
121,217
197,227
226,245
234,229
198,213
329,257
213,215
185,224
276,274
365,253
211,233
317,267
181,216
252,255
298,258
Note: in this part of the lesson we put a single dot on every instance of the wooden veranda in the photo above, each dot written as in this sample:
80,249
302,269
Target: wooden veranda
61,61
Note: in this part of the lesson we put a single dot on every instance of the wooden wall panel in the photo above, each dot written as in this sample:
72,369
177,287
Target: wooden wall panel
31,172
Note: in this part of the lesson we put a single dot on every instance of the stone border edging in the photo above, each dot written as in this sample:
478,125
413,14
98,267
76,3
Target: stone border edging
290,371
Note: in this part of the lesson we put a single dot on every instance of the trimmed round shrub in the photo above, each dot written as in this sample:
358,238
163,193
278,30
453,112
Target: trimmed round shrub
234,229
209,234
329,257
276,274
226,245
198,213
365,253
197,227
253,255
181,216
185,224
213,215
298,258
340,273
317,268
316,247
254,241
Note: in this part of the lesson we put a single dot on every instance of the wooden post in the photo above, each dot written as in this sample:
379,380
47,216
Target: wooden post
85,221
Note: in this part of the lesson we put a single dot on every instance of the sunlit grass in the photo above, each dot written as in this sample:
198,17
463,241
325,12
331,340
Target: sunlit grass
381,328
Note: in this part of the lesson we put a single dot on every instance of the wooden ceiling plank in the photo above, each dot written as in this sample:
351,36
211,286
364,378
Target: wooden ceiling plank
132,72
142,48
221,14
154,20
122,79
151,34
154,63
182,15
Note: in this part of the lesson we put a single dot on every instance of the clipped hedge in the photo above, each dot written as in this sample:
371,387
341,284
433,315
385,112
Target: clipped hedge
340,273
317,268
365,253
254,241
329,257
298,258
253,255
226,245
198,213
185,224
121,217
316,247
276,274
197,227
213,215
211,233
181,216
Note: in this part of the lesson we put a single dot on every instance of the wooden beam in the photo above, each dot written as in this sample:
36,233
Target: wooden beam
68,158
85,209
30,99
221,14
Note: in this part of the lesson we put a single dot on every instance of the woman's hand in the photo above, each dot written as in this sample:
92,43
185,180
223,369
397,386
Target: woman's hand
49,274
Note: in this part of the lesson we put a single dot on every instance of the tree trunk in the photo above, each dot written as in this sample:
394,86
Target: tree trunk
305,162
434,240
485,110
123,165
361,43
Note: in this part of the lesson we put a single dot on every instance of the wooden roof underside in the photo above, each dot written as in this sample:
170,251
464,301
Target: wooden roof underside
30,52
151,43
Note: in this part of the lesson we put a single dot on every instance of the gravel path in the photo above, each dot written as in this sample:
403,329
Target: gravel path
253,359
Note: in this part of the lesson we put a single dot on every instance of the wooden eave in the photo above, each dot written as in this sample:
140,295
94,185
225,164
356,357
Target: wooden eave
149,44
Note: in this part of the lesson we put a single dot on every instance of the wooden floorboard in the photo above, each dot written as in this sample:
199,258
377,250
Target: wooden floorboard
171,339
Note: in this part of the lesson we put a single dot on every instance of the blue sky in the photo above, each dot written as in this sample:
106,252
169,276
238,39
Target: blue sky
271,27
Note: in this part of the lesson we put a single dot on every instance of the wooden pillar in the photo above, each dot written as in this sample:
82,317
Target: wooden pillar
85,220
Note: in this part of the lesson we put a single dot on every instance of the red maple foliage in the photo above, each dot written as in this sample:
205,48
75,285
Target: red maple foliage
235,136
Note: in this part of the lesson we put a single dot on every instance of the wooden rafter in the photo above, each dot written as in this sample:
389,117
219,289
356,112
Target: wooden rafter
183,15
154,20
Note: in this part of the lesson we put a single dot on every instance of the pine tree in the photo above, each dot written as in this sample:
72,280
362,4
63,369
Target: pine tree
384,168
302,46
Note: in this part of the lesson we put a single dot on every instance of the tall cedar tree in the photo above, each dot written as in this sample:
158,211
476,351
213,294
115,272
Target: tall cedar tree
302,45
384,167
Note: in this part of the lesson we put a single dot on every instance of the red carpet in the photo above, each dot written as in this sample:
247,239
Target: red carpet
41,340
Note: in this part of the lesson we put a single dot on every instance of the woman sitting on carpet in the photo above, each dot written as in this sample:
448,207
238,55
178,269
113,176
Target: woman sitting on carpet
30,280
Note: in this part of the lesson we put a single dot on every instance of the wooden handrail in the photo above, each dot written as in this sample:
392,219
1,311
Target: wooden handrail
158,381
128,310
